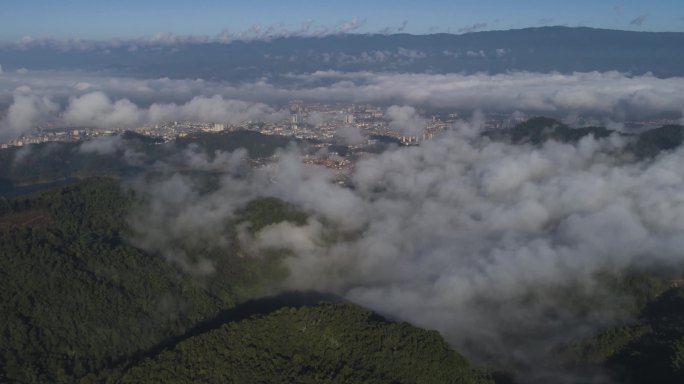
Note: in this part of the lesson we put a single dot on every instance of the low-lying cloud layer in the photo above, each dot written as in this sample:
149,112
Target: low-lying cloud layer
483,241
96,109
405,119
27,111
85,99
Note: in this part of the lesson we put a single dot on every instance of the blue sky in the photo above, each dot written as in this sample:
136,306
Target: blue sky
99,19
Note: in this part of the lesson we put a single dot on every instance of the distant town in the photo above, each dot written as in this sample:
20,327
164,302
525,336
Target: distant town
307,121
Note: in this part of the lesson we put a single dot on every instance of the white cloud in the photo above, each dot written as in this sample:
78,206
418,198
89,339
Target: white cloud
610,95
25,113
215,109
350,135
103,145
96,109
406,120
457,233
351,25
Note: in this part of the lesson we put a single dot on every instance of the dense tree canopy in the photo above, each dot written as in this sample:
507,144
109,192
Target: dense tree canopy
328,343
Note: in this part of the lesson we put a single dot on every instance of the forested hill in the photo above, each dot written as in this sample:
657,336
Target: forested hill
648,350
23,169
76,297
78,303
328,343
538,130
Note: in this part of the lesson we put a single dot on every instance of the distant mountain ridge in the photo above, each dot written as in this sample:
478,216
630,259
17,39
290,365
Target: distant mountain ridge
545,49
538,130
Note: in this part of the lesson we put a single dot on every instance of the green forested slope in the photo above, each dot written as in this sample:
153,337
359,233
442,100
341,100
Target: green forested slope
49,162
78,303
328,343
650,350
76,297
649,346
538,130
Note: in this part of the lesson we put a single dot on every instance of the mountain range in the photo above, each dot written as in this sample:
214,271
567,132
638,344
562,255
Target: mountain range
545,49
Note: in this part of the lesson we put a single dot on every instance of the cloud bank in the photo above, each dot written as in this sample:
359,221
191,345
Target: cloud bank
27,110
406,120
96,109
88,99
480,240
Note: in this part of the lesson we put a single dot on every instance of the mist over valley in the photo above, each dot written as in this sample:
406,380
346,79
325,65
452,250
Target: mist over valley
316,205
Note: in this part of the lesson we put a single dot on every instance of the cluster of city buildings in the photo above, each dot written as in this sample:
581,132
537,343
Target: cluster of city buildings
320,122
355,126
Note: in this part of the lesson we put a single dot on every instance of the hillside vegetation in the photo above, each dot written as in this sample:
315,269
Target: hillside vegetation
80,304
328,343
76,297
